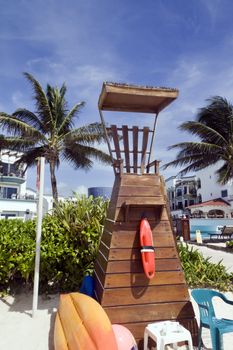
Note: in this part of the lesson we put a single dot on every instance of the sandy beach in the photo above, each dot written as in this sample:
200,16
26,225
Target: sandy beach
20,331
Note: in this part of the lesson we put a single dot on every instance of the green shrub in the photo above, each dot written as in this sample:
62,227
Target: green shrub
229,244
200,272
70,238
17,246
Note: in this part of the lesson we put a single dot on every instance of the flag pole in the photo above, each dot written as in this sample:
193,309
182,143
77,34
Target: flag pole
40,185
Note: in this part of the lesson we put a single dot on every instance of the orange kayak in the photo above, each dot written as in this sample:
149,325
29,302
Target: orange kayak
147,249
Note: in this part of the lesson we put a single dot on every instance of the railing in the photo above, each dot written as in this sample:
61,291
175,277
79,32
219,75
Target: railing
10,174
17,197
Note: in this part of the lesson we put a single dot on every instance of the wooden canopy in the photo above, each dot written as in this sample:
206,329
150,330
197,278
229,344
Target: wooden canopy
133,98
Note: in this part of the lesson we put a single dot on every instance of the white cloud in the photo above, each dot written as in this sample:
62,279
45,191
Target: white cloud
19,100
81,189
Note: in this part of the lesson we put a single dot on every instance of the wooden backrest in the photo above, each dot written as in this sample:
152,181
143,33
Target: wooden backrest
131,149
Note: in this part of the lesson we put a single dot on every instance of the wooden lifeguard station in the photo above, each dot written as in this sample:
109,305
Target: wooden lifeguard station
123,290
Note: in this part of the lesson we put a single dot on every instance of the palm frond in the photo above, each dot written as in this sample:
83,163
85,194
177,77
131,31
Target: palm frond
67,123
81,156
30,156
29,118
218,115
13,125
88,134
224,173
42,105
205,132
187,148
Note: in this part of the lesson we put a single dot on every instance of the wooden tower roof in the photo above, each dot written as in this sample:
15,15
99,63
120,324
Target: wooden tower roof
134,98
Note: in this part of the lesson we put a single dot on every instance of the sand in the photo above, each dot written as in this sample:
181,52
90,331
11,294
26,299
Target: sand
19,331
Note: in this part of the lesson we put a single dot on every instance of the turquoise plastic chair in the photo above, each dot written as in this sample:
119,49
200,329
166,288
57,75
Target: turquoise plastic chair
218,327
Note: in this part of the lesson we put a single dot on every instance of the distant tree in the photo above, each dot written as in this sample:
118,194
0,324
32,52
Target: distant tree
214,128
50,132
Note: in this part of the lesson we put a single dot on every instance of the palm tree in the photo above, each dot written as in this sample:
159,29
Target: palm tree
50,132
214,129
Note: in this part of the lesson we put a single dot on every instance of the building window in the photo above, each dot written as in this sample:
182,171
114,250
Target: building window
180,205
199,183
8,192
224,193
179,192
191,202
185,203
185,190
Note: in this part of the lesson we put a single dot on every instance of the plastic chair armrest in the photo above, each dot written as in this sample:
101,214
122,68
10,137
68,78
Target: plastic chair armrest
224,298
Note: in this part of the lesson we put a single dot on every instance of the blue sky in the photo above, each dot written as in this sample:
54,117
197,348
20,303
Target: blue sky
174,43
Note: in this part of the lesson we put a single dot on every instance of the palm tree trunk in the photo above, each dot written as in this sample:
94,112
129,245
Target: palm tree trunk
53,181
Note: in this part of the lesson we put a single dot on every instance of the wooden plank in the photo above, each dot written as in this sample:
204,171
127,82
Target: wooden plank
126,146
149,312
143,201
104,250
100,273
144,147
134,253
106,238
131,240
147,295
102,261
118,97
116,141
134,226
139,180
98,288
135,213
139,279
138,191
130,266
135,149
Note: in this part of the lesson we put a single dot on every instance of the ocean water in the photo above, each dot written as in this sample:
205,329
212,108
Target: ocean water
207,226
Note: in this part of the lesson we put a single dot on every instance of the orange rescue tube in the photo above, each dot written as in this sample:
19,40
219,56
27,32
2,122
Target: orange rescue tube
147,249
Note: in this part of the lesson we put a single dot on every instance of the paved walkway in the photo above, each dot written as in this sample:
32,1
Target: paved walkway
216,256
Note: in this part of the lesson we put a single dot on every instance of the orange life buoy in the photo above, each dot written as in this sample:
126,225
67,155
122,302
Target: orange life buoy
147,249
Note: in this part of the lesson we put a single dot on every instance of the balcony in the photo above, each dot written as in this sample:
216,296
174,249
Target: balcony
16,197
17,178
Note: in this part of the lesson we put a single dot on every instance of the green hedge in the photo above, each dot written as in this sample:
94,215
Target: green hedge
229,244
69,245
201,273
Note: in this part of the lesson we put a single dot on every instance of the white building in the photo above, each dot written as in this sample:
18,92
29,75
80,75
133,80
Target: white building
182,192
16,200
209,189
188,191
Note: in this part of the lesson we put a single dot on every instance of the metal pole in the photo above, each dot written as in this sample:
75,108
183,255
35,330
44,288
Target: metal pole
152,139
106,134
38,238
